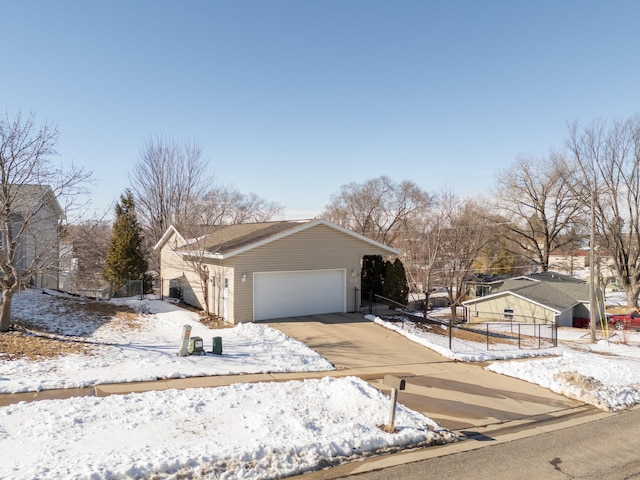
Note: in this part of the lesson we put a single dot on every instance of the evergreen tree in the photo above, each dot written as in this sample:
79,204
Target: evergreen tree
125,257
372,275
395,285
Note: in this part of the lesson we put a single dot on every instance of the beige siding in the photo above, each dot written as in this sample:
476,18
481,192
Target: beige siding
524,311
221,303
316,248
174,270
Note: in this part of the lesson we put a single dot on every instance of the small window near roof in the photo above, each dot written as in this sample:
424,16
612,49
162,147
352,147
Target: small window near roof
508,313
482,290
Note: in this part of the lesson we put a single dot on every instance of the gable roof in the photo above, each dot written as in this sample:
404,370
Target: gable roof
32,197
550,290
226,241
550,276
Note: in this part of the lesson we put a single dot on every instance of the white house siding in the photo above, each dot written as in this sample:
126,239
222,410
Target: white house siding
524,311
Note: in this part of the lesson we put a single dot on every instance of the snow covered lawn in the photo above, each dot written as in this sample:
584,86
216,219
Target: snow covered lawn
605,374
263,430
149,351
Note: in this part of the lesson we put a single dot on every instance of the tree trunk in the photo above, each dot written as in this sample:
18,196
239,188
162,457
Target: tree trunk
5,310
632,292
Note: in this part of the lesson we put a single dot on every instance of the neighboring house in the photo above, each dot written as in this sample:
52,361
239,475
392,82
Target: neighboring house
576,263
35,220
268,270
481,285
547,297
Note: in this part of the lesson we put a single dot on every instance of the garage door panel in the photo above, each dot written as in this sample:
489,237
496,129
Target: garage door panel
291,294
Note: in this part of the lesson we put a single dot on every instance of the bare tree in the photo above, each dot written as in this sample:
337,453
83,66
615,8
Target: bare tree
607,158
377,208
227,206
168,182
30,214
464,234
420,240
85,250
536,207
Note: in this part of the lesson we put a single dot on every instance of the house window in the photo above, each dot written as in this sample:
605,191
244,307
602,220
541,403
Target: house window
482,290
508,314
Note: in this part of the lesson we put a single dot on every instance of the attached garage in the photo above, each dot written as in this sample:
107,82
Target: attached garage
297,293
269,270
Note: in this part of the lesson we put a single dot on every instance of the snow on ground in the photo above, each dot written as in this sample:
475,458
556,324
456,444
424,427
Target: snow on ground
605,374
150,352
461,350
265,430
262,430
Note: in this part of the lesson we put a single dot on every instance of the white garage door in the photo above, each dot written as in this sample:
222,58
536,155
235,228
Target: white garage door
292,294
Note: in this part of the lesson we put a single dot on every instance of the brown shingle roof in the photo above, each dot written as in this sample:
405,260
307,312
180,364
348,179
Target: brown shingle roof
223,239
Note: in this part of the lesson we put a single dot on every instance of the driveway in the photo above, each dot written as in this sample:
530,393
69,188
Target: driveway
348,340
459,396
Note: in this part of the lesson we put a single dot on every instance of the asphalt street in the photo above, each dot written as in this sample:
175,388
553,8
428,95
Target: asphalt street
606,449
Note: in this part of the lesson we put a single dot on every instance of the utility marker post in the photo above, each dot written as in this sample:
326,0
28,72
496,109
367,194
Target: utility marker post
396,383
184,346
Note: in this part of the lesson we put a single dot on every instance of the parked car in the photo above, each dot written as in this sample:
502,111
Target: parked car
623,322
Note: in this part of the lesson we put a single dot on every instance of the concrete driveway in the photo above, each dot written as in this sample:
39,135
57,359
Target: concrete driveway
459,396
348,340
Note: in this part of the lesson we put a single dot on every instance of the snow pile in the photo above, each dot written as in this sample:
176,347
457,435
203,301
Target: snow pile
607,382
265,430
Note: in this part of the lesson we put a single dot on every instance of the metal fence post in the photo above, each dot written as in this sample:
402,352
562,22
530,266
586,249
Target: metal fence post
487,337
539,336
519,337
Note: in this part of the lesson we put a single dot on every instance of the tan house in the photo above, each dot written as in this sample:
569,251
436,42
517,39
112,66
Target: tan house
269,270
548,297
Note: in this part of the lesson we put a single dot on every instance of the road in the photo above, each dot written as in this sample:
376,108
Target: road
606,449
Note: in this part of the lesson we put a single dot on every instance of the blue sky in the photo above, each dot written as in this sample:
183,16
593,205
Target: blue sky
292,99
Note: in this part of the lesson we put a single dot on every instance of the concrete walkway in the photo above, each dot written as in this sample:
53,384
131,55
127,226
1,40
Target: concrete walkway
457,395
